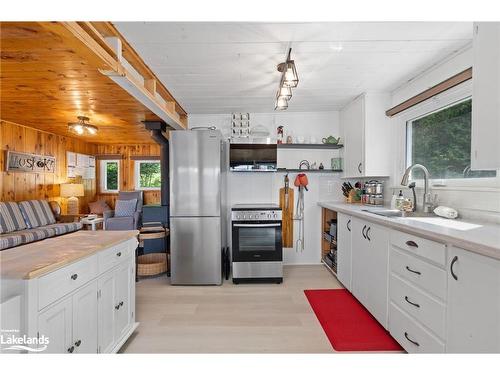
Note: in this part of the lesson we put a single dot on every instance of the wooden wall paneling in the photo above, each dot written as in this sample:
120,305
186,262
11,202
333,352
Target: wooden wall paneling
127,169
23,186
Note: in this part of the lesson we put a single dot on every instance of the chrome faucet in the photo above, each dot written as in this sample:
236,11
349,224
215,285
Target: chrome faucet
427,204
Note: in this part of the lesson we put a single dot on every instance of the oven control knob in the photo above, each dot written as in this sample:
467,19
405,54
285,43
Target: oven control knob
275,216
244,217
268,216
250,216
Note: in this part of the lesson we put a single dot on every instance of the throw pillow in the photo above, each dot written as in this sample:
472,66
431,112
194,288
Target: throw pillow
125,208
98,207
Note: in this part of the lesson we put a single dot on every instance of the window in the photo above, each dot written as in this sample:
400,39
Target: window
110,175
147,175
441,141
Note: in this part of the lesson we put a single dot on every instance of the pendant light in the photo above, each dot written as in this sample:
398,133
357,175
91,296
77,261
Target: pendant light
281,103
82,126
289,79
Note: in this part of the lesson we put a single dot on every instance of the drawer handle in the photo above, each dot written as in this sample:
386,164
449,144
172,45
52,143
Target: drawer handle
74,276
348,225
410,340
411,303
368,231
359,167
78,343
413,271
363,232
120,304
451,267
119,254
411,243
71,350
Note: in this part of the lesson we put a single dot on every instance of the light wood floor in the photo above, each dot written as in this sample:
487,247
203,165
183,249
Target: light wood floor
266,318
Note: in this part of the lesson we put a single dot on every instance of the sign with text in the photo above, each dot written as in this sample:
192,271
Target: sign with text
23,162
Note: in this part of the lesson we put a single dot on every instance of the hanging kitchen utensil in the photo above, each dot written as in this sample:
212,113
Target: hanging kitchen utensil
301,182
286,204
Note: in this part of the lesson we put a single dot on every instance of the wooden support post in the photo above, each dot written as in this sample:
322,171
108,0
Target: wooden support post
150,85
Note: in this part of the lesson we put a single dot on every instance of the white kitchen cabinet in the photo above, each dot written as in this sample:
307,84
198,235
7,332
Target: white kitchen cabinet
115,306
473,311
369,279
85,319
367,131
55,323
485,153
344,263
106,311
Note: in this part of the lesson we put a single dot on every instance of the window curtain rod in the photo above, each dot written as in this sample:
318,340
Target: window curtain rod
429,93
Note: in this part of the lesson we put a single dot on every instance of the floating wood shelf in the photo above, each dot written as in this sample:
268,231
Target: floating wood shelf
310,170
309,146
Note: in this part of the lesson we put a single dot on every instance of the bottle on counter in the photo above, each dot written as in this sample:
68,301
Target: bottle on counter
400,200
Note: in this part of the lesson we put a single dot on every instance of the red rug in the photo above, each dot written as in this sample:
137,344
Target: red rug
347,323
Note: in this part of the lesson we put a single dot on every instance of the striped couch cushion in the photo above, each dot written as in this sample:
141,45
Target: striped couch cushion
10,240
62,228
22,237
11,218
37,213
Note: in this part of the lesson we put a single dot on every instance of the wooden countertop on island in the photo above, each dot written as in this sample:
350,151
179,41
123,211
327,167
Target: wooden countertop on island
38,258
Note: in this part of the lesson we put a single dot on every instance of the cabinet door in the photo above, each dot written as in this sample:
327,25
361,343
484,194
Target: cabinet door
360,267
123,278
473,303
353,122
85,319
106,312
344,250
55,324
377,260
485,153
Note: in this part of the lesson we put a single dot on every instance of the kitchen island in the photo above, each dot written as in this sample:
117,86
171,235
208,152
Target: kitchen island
425,279
76,290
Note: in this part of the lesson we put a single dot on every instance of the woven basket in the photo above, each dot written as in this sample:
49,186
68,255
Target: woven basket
151,264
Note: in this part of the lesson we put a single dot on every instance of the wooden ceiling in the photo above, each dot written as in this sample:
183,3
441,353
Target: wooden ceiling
48,79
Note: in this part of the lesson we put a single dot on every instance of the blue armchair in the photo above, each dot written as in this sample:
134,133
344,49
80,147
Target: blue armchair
111,222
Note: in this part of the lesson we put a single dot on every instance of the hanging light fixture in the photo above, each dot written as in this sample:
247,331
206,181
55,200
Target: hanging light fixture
281,103
82,126
289,80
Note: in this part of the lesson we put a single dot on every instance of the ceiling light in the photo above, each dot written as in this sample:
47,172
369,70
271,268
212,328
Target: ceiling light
289,80
82,126
281,103
285,92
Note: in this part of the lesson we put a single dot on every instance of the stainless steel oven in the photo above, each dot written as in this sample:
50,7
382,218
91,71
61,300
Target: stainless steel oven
257,250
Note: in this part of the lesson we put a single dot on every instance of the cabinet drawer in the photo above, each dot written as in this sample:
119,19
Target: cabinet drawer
428,311
421,273
53,286
114,256
428,249
412,336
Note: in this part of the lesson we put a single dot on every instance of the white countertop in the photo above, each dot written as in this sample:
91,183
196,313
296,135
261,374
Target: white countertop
481,238
41,257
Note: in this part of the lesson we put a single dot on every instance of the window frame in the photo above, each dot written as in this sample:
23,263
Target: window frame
137,177
445,99
103,175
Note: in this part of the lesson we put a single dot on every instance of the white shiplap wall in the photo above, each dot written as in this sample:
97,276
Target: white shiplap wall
264,187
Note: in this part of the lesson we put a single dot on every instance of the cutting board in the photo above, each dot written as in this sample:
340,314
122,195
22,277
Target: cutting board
287,224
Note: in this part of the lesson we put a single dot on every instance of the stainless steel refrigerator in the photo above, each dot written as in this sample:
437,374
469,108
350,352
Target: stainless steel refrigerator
198,168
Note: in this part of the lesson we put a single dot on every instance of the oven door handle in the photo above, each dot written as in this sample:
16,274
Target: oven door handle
257,225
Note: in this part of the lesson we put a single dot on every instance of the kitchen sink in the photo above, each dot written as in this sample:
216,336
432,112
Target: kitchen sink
398,213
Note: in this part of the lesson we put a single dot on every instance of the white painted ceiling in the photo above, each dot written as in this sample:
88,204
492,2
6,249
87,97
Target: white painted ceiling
231,67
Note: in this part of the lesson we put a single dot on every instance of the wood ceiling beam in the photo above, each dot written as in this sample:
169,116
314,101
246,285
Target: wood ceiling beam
89,40
107,29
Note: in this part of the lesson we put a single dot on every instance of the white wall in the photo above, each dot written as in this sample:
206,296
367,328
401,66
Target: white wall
264,187
480,202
